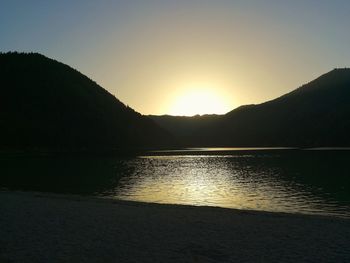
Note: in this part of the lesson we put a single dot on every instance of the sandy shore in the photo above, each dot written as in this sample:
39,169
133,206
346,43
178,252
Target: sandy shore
59,228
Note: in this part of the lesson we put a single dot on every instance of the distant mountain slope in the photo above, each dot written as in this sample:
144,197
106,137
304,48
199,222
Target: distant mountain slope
316,114
183,126
45,104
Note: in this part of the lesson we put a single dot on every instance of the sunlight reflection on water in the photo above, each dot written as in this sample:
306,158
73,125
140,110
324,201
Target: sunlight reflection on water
284,180
244,181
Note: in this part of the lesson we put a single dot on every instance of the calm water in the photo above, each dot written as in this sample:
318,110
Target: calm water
284,180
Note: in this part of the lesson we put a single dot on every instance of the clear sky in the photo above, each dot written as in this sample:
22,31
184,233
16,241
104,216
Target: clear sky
185,56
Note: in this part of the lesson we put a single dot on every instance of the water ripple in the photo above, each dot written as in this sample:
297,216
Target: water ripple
266,182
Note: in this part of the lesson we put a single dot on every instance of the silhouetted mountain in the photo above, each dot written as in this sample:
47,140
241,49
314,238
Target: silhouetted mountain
316,114
47,105
183,127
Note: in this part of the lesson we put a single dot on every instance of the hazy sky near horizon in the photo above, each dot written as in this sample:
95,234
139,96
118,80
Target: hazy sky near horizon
185,56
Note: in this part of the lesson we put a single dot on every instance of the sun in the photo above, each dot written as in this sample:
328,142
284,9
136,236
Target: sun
199,101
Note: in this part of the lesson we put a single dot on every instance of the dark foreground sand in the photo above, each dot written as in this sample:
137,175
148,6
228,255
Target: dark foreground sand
52,228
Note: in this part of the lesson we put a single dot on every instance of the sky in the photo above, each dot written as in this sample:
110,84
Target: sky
185,57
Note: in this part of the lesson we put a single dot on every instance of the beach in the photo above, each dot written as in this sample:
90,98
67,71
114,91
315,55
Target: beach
41,227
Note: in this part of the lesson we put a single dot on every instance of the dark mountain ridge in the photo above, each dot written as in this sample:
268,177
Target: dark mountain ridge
315,115
184,126
47,105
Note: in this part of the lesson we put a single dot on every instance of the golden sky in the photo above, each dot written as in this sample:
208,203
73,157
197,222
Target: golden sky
185,57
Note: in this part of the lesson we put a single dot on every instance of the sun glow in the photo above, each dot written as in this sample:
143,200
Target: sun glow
199,101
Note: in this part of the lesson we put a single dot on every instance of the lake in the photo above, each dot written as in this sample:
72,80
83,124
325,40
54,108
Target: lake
314,181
